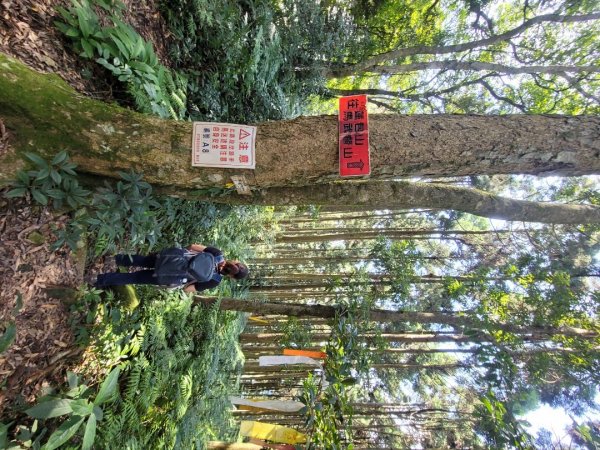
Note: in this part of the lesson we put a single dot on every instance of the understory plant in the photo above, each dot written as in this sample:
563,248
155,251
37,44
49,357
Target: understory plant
176,365
119,216
9,327
123,216
177,362
53,181
78,405
179,366
254,61
178,375
131,60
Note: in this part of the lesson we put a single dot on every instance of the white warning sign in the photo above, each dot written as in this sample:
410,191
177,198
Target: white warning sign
224,145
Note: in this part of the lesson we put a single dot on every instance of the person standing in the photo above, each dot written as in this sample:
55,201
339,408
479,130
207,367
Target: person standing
166,268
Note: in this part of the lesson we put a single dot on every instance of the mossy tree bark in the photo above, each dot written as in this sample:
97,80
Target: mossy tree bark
43,114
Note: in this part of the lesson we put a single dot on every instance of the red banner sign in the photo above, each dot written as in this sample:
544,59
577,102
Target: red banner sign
354,136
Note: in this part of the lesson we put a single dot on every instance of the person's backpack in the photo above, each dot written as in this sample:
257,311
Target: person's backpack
177,266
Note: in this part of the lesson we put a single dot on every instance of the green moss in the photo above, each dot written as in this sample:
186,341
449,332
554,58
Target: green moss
45,115
42,111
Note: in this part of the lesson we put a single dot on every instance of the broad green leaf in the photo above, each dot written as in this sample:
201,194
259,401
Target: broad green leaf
39,197
65,432
60,157
84,25
88,49
4,434
17,192
72,32
103,61
43,173
69,170
72,202
108,387
72,379
55,193
81,407
55,176
51,408
98,413
36,159
121,46
63,27
24,436
23,177
90,433
141,66
8,337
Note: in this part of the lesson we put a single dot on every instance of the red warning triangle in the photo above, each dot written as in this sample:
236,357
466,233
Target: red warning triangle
243,134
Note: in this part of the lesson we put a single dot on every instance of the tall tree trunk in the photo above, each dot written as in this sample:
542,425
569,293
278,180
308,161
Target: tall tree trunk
319,235
43,114
380,315
389,337
404,194
477,66
291,222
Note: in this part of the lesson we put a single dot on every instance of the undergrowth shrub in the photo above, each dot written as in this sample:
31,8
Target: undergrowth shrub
236,229
131,60
117,217
123,216
179,365
181,362
55,180
254,60
160,377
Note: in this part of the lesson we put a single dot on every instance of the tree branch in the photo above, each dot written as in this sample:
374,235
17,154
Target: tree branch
404,95
481,66
501,98
575,84
439,50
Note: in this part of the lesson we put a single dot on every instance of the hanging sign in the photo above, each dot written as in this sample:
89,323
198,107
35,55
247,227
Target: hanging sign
268,405
272,432
354,136
258,320
309,353
265,361
223,145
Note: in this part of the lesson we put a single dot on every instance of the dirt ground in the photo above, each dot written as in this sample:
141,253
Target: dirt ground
44,343
27,268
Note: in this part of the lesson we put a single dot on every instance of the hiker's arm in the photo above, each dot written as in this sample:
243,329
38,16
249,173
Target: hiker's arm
196,247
